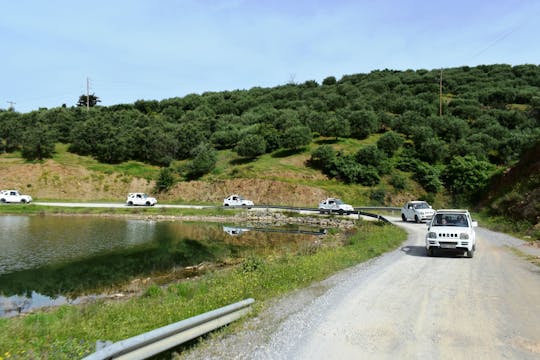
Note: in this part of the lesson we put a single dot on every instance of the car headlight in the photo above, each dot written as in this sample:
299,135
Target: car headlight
464,236
432,235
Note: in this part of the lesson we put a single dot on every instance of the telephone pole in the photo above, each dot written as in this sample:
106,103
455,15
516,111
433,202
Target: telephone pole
87,93
11,103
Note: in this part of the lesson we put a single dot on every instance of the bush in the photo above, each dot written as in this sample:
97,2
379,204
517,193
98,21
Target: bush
251,146
204,161
390,142
165,180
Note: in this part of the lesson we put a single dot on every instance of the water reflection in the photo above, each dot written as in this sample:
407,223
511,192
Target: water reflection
54,259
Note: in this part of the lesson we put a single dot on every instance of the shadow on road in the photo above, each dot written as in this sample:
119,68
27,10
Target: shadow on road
414,250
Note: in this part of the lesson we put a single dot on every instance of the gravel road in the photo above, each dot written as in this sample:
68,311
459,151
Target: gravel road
403,305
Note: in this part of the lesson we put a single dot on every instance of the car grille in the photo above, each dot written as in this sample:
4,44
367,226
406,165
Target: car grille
448,235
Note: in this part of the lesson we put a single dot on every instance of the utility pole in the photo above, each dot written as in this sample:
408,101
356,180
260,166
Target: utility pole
440,95
87,93
11,103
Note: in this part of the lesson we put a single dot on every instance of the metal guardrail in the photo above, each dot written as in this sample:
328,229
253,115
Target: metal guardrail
357,210
167,337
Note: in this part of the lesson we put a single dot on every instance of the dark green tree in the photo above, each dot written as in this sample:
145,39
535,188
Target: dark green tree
88,101
466,176
323,157
165,180
38,142
389,142
251,146
296,137
204,161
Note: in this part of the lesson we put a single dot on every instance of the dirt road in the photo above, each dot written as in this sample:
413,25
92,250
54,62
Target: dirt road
404,305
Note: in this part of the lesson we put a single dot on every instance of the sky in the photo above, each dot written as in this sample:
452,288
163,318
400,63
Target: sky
129,50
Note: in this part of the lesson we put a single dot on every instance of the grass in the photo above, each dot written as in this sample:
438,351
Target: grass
520,229
129,168
71,331
18,209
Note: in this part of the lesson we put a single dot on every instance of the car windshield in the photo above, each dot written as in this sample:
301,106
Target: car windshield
451,220
421,206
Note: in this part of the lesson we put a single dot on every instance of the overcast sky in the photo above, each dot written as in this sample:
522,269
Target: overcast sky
153,50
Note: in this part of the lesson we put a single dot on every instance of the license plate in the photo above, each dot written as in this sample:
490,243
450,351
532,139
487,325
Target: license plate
448,246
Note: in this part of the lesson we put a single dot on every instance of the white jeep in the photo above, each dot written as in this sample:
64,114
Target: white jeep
140,199
13,196
237,200
417,211
451,230
331,205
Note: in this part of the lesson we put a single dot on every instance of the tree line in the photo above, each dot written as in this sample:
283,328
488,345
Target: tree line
490,115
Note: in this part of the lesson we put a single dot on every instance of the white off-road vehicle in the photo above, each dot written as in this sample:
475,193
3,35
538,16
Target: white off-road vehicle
417,211
331,205
451,230
141,199
237,200
13,196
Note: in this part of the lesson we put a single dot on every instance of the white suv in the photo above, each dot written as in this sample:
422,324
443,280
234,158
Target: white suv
331,205
451,230
416,211
237,200
13,196
140,199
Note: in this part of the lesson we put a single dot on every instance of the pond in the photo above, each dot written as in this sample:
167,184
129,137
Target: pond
53,260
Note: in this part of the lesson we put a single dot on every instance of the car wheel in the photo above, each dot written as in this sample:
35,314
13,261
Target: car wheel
148,203
403,218
416,219
23,201
340,212
430,251
3,201
469,254
130,203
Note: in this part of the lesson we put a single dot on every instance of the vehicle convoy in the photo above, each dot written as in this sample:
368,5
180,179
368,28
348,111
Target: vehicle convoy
13,196
451,230
237,200
141,199
417,211
331,205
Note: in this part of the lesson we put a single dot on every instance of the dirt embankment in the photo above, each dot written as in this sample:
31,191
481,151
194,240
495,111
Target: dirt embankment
50,180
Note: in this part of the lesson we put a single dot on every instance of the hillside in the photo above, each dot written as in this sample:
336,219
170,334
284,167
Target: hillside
270,179
373,139
515,194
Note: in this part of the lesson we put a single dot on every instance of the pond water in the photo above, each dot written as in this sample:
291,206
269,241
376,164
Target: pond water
53,260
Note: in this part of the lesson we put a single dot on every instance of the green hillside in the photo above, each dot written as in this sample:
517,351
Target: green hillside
375,138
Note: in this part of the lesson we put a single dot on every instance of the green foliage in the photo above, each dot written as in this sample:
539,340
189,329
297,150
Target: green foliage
490,111
389,143
370,155
466,176
165,180
251,146
204,161
89,100
296,137
38,143
323,158
398,181
428,177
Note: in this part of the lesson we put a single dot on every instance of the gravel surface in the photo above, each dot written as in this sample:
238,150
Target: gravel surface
403,305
